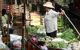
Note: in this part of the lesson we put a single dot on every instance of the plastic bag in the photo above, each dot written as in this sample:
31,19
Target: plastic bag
17,44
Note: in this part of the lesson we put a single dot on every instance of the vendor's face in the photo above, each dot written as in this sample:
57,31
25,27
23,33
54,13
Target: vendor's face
46,8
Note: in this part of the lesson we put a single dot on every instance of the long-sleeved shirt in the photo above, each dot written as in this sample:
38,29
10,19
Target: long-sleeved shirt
50,20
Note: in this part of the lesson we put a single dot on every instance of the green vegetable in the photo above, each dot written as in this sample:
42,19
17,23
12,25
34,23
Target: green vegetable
68,35
57,44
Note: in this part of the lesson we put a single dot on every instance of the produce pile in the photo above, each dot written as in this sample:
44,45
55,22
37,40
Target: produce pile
62,41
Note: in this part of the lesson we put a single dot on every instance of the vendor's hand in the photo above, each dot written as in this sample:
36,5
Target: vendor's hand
62,11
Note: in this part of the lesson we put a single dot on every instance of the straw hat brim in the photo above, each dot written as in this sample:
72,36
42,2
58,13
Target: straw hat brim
48,4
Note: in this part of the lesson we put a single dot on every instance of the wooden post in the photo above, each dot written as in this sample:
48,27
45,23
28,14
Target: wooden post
1,3
23,27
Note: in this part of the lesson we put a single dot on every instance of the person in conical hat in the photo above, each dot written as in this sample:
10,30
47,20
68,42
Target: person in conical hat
50,19
48,4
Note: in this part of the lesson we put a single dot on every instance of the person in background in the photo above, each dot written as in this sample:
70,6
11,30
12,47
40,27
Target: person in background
50,19
4,19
